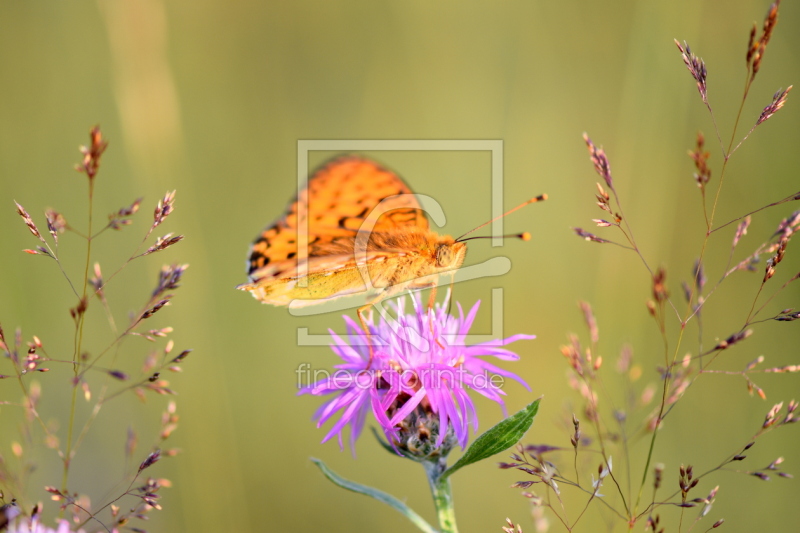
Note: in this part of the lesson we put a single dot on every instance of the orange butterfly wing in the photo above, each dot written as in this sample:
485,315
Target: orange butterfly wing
336,202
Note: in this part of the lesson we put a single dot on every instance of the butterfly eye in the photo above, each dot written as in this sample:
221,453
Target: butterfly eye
448,255
442,254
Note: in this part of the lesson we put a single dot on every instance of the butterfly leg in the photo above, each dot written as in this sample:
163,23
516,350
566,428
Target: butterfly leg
431,302
361,318
432,297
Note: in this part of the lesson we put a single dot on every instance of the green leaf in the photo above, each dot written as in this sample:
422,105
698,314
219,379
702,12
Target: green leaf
381,496
497,439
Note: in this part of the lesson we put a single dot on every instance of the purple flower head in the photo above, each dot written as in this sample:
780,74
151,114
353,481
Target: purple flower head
33,525
418,380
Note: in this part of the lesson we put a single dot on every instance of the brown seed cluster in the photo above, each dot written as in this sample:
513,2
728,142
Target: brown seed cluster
153,310
581,359
585,367
658,476
732,340
26,218
122,217
585,235
772,418
31,361
686,481
788,225
700,157
660,292
756,48
778,100
92,154
164,208
591,321
169,279
741,230
789,315
575,439
162,243
786,228
510,527
600,161
765,473
56,223
604,203
653,524
773,261
699,276
150,460
534,465
697,68
79,310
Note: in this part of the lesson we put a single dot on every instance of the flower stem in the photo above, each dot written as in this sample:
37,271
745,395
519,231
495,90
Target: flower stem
78,346
442,495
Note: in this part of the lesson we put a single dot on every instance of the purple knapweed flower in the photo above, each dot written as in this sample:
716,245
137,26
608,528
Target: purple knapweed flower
23,524
417,383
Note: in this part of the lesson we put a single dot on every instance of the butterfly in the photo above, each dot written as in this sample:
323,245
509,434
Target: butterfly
355,228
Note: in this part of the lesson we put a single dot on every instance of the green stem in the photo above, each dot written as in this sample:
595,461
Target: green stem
442,495
78,344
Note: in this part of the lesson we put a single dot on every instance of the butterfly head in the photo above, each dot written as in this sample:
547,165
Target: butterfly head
450,255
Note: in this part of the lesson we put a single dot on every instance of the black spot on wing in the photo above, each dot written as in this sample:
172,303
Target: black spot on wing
354,222
401,216
257,260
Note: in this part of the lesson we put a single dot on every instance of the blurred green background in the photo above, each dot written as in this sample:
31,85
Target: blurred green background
210,98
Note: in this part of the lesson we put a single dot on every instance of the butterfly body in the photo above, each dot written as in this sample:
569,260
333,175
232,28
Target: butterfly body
366,233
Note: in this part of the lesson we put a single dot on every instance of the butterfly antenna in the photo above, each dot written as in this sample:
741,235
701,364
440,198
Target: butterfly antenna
524,236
